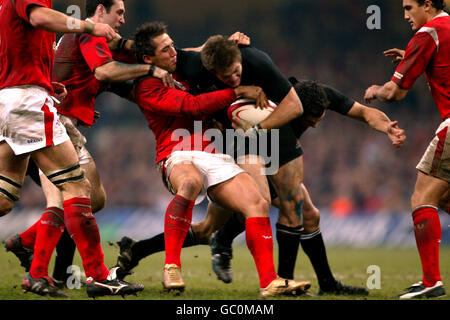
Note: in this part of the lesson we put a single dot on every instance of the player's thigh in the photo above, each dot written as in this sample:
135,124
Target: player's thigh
428,190
12,166
287,182
186,180
62,160
253,166
240,194
12,174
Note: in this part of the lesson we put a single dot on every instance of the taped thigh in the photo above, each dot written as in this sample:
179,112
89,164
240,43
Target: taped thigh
72,173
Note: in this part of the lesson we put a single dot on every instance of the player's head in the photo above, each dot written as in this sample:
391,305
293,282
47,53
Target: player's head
153,45
419,12
223,58
314,100
111,12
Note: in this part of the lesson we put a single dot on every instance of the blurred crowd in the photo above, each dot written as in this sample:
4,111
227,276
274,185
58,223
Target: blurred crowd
349,168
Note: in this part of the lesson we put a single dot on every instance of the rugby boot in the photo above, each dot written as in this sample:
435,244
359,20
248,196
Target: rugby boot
112,286
172,279
418,290
344,289
41,286
125,258
25,255
221,260
286,287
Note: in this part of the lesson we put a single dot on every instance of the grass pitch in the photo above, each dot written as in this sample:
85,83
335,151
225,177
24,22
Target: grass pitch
399,268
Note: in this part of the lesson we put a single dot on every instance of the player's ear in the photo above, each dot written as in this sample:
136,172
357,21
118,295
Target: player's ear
147,59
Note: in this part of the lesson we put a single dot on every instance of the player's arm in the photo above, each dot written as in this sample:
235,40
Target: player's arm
389,92
115,71
418,53
57,22
289,108
379,121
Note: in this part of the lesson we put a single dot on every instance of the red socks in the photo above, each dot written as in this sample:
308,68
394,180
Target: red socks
83,229
428,233
260,243
177,222
47,232
28,237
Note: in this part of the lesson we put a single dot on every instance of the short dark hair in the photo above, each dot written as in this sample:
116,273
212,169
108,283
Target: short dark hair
313,96
91,6
219,53
438,4
143,39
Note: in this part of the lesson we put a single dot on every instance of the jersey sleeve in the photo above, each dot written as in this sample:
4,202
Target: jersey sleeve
338,102
417,56
22,7
153,96
265,74
95,51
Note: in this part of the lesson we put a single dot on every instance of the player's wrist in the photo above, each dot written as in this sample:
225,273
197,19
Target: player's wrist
151,70
88,27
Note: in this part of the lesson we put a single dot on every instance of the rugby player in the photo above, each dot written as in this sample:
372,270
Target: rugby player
31,128
189,168
427,52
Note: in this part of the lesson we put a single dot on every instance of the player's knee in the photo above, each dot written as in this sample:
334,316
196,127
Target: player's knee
262,206
6,206
191,186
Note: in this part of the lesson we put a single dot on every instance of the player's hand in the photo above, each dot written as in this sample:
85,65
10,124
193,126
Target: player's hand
104,30
96,116
253,92
244,128
240,38
396,134
114,43
165,76
60,90
370,93
396,54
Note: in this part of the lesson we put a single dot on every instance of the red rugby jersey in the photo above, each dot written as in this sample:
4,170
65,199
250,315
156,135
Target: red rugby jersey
429,51
168,109
77,57
26,53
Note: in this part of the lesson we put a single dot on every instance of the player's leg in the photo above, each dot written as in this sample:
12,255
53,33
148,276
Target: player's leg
131,252
60,164
313,245
186,182
287,184
241,194
221,241
427,231
65,249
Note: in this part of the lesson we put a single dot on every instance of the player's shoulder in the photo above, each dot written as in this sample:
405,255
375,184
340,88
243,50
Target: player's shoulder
435,28
250,52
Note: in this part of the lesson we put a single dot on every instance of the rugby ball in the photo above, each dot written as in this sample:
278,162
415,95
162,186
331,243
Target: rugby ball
245,109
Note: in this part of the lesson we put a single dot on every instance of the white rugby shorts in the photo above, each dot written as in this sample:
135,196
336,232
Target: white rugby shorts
215,168
436,159
28,119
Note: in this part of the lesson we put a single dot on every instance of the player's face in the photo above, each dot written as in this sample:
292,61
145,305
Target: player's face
165,54
231,76
116,16
311,121
414,14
